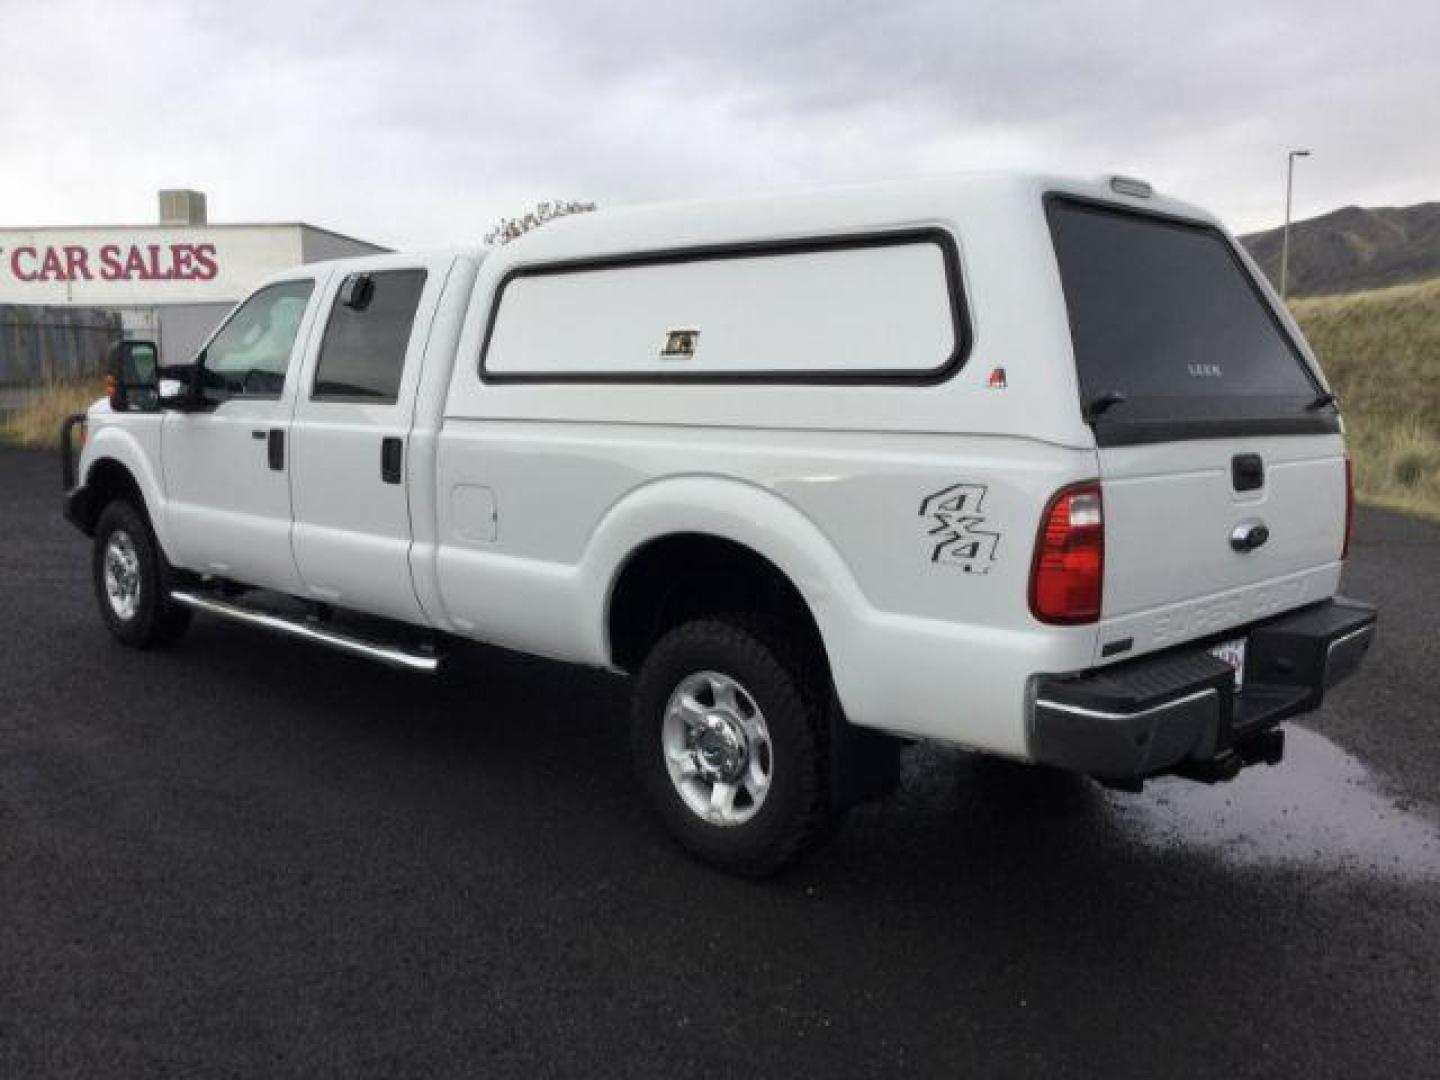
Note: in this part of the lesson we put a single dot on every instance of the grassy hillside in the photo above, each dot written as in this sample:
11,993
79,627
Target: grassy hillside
1354,248
1381,352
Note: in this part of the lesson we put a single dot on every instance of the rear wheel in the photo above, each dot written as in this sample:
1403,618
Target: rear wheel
729,741
131,580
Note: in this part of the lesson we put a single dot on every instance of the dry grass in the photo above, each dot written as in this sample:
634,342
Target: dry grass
37,423
1381,352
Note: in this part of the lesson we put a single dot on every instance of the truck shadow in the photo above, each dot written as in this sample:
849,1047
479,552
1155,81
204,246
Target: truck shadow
522,722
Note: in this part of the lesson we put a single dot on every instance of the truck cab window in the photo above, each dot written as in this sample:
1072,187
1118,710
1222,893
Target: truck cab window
363,353
249,356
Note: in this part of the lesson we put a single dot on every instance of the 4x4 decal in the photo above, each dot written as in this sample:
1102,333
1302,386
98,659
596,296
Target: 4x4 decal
956,533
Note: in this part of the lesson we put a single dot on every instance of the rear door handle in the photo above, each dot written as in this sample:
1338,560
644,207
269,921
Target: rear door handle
392,455
275,449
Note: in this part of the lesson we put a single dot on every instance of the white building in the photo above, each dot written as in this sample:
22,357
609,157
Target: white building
171,281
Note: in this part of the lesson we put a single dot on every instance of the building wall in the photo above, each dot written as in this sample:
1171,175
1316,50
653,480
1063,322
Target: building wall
184,327
317,245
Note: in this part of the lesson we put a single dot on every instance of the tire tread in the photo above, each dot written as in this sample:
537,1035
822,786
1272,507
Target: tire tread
761,645
160,621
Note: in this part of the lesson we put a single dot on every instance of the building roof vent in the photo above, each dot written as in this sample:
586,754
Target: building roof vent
182,207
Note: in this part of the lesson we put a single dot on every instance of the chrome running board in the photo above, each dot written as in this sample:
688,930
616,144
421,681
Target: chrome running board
398,656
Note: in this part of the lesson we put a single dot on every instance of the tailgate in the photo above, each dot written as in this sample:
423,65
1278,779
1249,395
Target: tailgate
1175,569
1219,449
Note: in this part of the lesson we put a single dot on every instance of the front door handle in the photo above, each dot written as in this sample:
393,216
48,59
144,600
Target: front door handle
275,449
392,454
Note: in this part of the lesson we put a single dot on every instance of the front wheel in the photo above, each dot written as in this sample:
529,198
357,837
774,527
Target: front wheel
729,741
131,580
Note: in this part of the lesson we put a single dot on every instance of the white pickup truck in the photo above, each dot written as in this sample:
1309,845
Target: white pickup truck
1037,467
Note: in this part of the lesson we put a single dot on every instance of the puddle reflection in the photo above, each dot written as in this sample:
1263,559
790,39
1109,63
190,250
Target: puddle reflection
1320,806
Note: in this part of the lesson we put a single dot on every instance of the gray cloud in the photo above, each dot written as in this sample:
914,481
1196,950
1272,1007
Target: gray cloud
418,124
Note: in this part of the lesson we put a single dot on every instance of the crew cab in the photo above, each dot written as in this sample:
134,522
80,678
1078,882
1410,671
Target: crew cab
1036,467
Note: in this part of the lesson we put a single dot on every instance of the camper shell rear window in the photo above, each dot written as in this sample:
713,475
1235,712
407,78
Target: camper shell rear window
1173,338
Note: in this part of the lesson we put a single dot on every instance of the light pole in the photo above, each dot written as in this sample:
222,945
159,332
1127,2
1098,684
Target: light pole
1285,243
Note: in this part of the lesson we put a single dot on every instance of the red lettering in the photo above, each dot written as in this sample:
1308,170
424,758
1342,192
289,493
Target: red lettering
53,268
77,263
156,273
15,256
110,266
114,262
207,267
135,265
180,261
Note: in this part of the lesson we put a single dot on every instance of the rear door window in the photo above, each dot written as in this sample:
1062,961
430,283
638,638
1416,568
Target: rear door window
362,356
1168,325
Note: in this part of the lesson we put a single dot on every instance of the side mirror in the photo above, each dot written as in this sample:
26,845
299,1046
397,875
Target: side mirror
357,291
132,376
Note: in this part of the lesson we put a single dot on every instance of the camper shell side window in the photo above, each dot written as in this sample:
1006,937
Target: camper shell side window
879,307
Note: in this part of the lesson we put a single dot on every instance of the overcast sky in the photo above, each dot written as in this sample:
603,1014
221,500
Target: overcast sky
417,124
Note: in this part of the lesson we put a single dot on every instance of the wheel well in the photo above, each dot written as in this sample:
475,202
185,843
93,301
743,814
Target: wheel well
107,481
686,576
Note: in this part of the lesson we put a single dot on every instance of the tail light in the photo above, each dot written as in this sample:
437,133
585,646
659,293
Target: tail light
1067,579
1349,507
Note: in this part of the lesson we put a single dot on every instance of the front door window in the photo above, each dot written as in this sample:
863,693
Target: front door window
251,353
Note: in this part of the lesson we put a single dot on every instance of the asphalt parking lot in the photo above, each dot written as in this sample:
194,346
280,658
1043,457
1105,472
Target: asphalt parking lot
249,857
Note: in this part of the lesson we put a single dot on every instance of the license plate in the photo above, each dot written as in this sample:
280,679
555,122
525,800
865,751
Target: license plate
1233,653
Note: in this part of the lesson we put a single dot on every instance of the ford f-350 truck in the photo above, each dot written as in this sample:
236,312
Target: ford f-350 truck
1037,467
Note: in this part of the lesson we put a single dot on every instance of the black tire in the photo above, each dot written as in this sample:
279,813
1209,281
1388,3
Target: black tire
152,619
790,687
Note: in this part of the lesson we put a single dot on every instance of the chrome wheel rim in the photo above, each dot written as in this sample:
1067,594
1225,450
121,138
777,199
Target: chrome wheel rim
122,575
717,748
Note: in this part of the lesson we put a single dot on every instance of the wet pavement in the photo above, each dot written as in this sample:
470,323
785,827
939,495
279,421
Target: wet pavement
1320,810
248,858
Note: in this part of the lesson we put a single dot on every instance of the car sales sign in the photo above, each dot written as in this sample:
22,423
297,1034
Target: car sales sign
141,265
